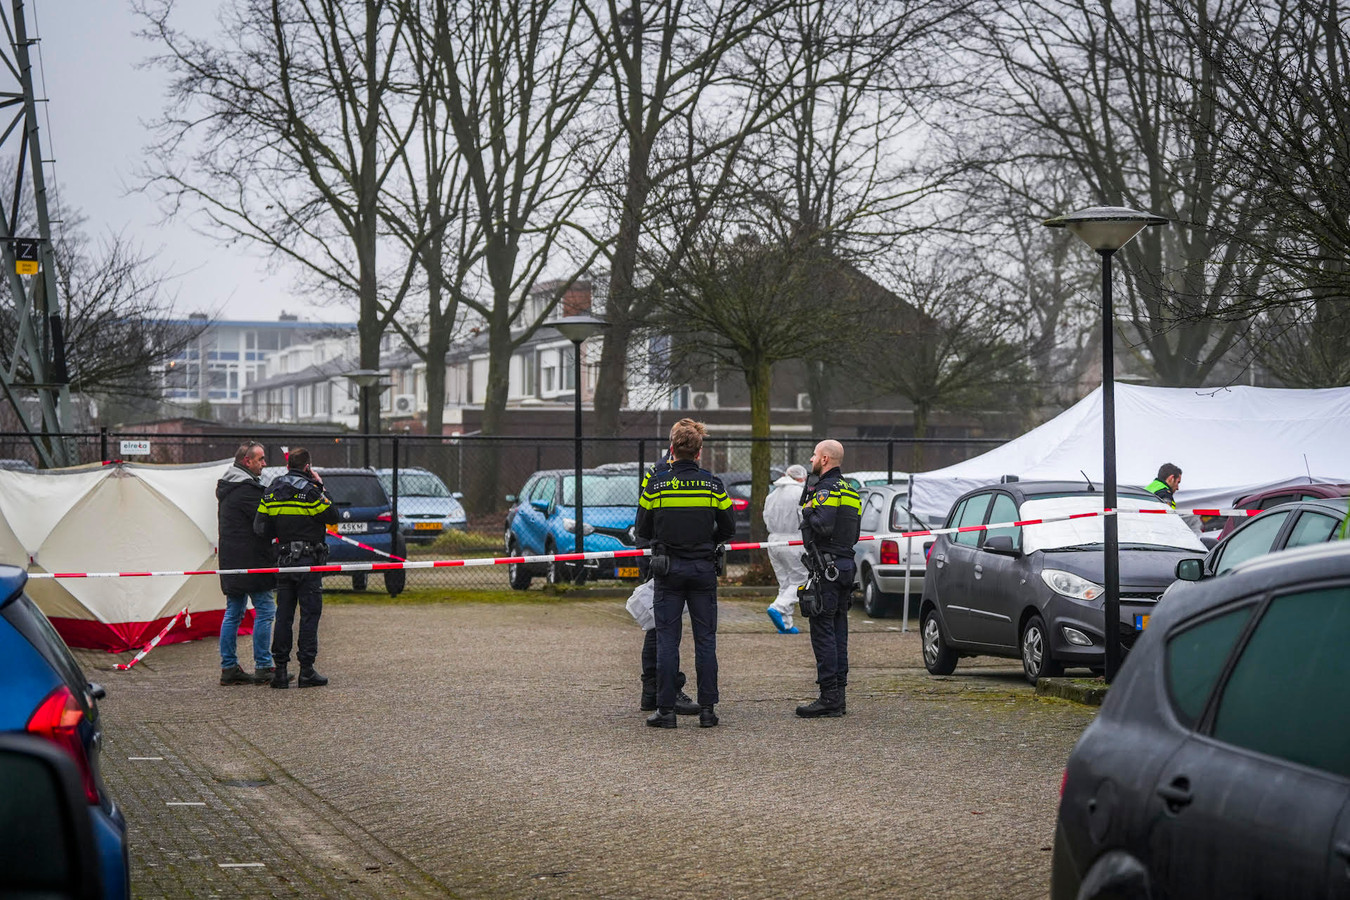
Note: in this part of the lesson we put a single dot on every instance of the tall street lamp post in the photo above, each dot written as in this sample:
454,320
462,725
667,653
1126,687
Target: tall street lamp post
1106,229
365,380
576,329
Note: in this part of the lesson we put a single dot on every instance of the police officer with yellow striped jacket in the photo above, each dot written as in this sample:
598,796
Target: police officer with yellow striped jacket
831,518
294,510
685,513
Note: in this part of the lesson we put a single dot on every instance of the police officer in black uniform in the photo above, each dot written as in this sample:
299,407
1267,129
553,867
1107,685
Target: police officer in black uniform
294,511
685,513
831,517
684,706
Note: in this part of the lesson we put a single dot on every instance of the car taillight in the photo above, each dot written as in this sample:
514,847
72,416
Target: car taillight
738,503
1062,782
384,517
890,553
58,720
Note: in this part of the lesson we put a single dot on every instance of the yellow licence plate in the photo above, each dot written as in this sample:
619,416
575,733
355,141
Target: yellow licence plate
1140,623
627,572
426,526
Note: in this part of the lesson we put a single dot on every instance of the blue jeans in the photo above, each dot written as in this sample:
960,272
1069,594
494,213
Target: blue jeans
264,613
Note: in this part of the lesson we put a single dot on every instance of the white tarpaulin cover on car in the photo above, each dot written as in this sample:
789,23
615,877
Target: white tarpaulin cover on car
1227,441
121,517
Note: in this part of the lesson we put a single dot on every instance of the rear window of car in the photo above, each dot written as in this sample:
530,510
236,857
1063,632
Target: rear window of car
1195,659
355,490
29,621
739,489
601,490
1286,695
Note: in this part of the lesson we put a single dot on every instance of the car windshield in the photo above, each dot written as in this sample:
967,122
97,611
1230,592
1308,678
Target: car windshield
601,490
1149,532
416,484
355,490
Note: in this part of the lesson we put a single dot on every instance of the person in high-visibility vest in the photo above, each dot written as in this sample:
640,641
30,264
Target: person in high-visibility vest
1166,485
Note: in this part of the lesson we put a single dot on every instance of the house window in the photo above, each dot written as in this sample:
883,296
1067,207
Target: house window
566,362
529,381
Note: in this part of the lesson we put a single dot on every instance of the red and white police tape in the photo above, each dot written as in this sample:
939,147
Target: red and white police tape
609,554
154,642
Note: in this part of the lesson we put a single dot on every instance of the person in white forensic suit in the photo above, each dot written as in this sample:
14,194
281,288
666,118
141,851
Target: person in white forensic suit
783,518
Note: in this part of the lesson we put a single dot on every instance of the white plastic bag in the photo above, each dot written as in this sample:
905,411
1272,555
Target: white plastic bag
640,605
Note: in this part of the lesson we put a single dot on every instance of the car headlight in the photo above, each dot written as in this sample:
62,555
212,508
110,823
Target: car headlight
1071,585
570,526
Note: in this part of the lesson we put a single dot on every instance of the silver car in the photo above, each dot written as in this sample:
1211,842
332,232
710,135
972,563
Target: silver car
883,564
426,507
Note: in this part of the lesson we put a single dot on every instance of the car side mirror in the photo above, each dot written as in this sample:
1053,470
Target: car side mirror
49,838
459,495
1001,544
1191,569
541,505
510,498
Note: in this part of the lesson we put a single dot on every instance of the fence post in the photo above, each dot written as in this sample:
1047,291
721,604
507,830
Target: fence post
103,443
393,499
642,459
890,461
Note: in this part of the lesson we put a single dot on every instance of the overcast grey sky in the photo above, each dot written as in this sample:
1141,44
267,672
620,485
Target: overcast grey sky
100,100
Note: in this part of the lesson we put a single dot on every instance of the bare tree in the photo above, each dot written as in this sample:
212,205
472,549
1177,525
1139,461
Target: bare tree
117,316
284,135
962,346
1125,96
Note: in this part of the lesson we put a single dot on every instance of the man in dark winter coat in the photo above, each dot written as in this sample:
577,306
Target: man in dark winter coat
294,510
238,495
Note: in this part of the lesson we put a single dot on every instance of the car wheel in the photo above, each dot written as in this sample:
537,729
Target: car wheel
554,573
517,573
1036,661
873,602
359,581
938,658
395,580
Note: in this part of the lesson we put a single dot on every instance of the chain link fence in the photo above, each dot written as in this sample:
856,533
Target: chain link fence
480,480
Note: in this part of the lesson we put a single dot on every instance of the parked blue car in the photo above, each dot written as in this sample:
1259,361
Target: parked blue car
426,507
542,520
366,515
45,694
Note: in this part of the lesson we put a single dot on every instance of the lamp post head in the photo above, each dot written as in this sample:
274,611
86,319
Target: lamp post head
1106,228
364,377
577,328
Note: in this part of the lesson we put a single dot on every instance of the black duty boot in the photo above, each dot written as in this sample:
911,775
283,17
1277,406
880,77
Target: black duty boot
266,674
827,705
663,718
235,675
707,718
280,679
648,695
311,678
684,706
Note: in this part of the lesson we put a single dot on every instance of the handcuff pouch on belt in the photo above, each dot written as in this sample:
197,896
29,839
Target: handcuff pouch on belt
819,596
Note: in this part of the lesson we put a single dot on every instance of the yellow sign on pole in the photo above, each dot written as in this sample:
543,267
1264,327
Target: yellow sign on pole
26,266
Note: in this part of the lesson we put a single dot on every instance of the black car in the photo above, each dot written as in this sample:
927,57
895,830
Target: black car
1219,765
1290,525
1036,592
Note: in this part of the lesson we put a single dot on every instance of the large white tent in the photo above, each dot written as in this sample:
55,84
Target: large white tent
1227,441
121,517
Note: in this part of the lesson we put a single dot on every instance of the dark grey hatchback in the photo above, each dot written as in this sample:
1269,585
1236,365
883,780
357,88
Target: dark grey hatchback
1036,592
1219,765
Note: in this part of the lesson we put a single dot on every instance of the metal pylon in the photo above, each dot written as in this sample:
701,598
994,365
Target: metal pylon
36,363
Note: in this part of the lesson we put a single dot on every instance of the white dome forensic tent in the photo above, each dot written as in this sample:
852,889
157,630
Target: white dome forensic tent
121,517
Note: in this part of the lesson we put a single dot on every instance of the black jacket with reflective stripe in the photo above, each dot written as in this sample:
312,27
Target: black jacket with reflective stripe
831,514
295,507
686,511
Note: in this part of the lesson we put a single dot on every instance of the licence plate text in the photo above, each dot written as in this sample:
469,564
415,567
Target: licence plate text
626,572
426,526
352,527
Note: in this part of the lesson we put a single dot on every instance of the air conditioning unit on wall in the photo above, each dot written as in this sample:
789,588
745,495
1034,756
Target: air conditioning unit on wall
804,400
405,404
700,400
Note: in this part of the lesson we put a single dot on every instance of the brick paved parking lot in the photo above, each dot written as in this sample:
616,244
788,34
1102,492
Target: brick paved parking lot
496,750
